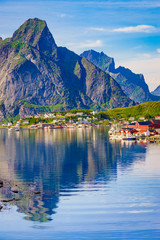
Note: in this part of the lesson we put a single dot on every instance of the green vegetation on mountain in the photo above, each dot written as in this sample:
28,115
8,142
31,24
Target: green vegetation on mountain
147,110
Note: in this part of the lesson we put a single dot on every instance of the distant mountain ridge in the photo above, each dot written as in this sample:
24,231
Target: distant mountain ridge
101,60
34,70
132,84
156,91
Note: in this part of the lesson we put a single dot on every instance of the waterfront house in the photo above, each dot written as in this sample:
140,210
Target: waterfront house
143,126
131,125
140,126
17,124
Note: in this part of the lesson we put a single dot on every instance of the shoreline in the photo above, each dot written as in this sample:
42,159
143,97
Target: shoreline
16,191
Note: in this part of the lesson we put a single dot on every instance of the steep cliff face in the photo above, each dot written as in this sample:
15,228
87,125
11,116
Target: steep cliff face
34,69
132,84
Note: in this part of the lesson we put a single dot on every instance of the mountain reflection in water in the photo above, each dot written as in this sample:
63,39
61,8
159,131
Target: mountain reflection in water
59,161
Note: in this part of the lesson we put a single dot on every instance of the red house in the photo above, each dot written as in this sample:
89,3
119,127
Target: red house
140,126
131,125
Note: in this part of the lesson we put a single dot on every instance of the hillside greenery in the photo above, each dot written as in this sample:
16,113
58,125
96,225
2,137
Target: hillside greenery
147,110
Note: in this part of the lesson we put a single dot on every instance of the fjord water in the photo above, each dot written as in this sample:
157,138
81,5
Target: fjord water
90,187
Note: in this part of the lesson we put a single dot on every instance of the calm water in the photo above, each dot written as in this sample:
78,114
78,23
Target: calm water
91,188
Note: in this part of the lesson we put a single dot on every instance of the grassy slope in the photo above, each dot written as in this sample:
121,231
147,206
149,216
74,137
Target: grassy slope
148,110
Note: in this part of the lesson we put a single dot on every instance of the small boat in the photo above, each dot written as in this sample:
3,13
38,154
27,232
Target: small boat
129,137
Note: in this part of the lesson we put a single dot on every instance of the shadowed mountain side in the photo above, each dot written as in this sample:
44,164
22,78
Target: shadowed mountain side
33,69
132,84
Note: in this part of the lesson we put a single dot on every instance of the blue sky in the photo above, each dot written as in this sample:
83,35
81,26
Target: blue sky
127,30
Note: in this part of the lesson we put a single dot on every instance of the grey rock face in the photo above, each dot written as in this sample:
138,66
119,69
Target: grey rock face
133,85
33,69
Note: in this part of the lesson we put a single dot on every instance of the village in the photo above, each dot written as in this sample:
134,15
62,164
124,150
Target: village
135,130
131,129
54,121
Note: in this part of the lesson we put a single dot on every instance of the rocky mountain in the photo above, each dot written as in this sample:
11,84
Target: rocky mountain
101,60
132,84
156,91
34,70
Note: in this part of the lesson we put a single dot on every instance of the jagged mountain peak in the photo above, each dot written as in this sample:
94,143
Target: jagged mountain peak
101,60
34,32
133,85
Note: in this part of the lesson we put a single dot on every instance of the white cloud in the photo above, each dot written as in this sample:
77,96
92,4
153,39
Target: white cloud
158,50
89,43
86,44
99,29
130,29
63,15
135,29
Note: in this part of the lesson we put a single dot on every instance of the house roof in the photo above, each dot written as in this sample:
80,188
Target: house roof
134,123
145,123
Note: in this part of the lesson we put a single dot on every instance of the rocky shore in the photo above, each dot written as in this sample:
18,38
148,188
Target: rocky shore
13,192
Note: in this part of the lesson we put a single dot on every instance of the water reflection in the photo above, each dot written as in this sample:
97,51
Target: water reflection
57,161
